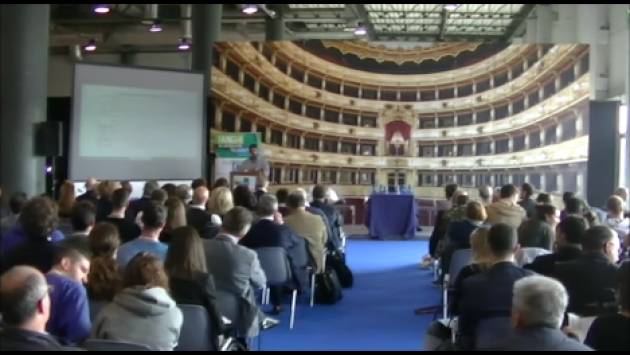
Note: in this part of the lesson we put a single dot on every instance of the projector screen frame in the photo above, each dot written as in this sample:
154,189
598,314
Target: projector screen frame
205,142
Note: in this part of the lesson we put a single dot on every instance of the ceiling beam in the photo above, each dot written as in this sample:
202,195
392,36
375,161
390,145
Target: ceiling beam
519,18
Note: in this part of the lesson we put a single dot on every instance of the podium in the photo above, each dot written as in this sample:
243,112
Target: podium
243,178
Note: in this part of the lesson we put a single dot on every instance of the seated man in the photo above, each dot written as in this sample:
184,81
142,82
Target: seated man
308,226
591,279
489,294
69,309
538,231
83,218
569,234
197,215
266,232
333,216
153,220
506,210
236,269
537,312
25,311
127,229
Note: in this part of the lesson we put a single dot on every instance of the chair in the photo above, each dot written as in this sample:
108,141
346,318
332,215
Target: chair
275,263
196,333
113,345
526,256
460,259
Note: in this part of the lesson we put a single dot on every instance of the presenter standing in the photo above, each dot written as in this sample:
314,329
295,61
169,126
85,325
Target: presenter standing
255,164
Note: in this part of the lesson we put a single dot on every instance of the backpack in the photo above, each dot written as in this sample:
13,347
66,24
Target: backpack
337,261
327,287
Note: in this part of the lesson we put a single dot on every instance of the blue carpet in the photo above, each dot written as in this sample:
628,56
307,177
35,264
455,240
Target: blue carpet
375,314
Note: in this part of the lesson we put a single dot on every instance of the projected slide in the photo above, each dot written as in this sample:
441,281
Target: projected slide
136,124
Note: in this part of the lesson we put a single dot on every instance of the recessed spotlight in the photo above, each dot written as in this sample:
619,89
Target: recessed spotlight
101,9
360,31
155,27
250,9
184,45
451,7
90,46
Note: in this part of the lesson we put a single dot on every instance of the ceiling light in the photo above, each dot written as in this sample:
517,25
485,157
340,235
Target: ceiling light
155,27
90,46
101,9
451,7
360,31
184,45
250,9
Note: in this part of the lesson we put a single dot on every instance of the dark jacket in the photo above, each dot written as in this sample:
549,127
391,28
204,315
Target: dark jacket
329,230
609,333
539,339
127,229
487,295
591,281
136,206
202,221
14,339
103,208
546,264
90,196
334,221
438,232
529,206
534,233
38,254
466,272
199,291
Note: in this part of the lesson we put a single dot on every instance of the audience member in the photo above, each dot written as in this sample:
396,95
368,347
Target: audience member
153,220
591,278
125,184
175,218
458,232
159,196
623,193
440,228
16,204
262,187
308,226
528,204
221,201
202,220
25,310
83,219
127,230
573,206
104,205
543,199
267,233
170,189
143,312
569,235
610,332
490,294
565,200
189,279
485,195
538,231
236,269
316,211
66,199
138,205
244,197
104,280
282,195
184,192
333,216
90,193
538,308
198,183
506,210
221,182
615,218
31,241
481,262
69,309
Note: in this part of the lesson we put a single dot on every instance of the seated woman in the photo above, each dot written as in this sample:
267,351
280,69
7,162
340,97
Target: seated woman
480,263
143,312
104,281
190,282
458,232
610,332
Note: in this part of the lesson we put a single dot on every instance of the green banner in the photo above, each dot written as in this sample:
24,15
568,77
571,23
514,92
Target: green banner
234,145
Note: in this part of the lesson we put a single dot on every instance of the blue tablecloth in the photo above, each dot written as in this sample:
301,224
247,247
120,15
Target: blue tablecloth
391,215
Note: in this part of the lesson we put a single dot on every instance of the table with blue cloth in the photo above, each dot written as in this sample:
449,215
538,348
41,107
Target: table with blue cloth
391,215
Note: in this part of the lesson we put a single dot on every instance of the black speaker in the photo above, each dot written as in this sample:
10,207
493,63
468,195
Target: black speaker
48,139
603,151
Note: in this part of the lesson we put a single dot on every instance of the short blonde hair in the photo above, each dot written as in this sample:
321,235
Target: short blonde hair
615,204
221,201
475,211
479,245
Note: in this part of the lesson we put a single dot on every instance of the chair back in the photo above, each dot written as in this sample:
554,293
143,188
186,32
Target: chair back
275,263
526,256
196,333
113,345
489,330
460,259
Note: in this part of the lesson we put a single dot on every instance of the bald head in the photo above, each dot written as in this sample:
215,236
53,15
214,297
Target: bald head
90,184
23,291
200,195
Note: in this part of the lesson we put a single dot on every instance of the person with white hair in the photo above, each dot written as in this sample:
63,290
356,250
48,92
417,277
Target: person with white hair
538,306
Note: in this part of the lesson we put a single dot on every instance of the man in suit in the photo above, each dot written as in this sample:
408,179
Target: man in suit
198,217
591,279
236,270
538,309
332,216
569,235
308,226
266,232
316,211
489,294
